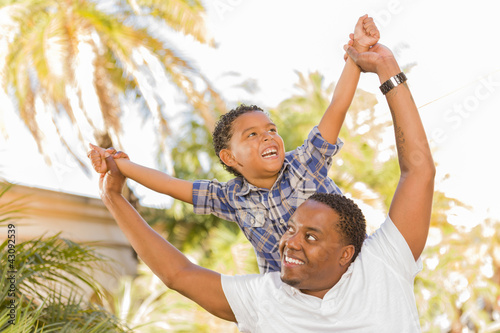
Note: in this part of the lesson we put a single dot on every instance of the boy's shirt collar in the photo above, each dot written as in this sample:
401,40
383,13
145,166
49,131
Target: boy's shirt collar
246,187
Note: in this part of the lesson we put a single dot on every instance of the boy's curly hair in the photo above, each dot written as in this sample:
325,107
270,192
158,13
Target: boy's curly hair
352,223
223,131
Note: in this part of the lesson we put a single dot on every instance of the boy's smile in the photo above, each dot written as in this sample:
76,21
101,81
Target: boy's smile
256,149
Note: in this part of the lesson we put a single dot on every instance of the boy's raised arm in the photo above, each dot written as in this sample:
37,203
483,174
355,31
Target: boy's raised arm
175,270
365,35
153,179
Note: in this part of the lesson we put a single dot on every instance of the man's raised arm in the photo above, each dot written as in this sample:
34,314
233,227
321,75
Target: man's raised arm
412,202
169,264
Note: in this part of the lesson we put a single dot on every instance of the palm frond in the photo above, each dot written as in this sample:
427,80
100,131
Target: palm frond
44,263
186,16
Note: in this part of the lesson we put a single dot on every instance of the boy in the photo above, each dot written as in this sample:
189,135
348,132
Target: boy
270,184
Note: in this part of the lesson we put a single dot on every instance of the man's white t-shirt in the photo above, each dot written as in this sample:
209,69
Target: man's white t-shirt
375,294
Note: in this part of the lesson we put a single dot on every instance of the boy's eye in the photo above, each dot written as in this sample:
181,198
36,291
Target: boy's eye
252,134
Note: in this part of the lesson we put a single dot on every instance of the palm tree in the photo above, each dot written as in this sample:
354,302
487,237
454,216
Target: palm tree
71,65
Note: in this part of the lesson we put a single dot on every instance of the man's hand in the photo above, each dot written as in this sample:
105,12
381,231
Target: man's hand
374,60
111,182
365,35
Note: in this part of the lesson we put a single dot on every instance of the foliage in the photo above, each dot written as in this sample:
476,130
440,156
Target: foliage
43,282
460,284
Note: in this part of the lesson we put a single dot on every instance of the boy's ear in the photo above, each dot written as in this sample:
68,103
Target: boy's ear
227,157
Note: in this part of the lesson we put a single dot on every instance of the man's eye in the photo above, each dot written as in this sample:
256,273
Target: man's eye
274,130
251,134
310,237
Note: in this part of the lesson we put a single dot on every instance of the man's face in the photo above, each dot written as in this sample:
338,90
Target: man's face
256,146
313,257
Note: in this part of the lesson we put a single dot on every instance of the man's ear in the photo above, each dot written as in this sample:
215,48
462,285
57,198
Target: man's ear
347,254
227,157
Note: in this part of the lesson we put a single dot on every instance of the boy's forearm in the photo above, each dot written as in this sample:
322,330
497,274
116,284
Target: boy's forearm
346,86
332,120
157,180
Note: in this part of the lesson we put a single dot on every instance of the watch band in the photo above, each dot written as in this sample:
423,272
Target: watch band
393,82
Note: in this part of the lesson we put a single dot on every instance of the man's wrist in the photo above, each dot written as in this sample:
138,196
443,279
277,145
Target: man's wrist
110,197
393,82
387,68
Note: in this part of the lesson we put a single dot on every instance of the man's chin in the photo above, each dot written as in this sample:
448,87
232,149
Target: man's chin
290,281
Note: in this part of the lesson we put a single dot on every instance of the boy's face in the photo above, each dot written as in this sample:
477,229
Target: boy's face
313,254
256,150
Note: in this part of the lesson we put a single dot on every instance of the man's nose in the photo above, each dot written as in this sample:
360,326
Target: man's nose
293,242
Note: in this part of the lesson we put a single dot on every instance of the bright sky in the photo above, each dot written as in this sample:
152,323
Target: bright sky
456,81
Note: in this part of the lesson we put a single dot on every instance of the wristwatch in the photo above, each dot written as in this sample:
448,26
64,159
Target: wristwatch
393,82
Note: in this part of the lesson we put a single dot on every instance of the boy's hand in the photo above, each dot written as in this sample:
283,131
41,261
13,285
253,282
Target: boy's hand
97,157
365,35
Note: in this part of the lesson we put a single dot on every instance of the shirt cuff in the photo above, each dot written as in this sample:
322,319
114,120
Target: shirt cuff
200,197
325,147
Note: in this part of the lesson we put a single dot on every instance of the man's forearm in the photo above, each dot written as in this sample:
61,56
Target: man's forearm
411,141
412,202
152,248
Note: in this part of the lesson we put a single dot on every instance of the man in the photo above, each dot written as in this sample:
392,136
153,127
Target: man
328,282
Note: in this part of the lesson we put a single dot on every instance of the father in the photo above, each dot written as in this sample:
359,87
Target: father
332,278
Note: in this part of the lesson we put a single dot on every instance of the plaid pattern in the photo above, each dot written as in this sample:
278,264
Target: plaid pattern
263,214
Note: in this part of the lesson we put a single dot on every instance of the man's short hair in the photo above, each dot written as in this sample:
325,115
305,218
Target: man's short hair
352,223
223,131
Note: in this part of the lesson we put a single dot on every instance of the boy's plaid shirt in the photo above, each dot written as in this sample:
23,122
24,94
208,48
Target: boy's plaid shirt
263,214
